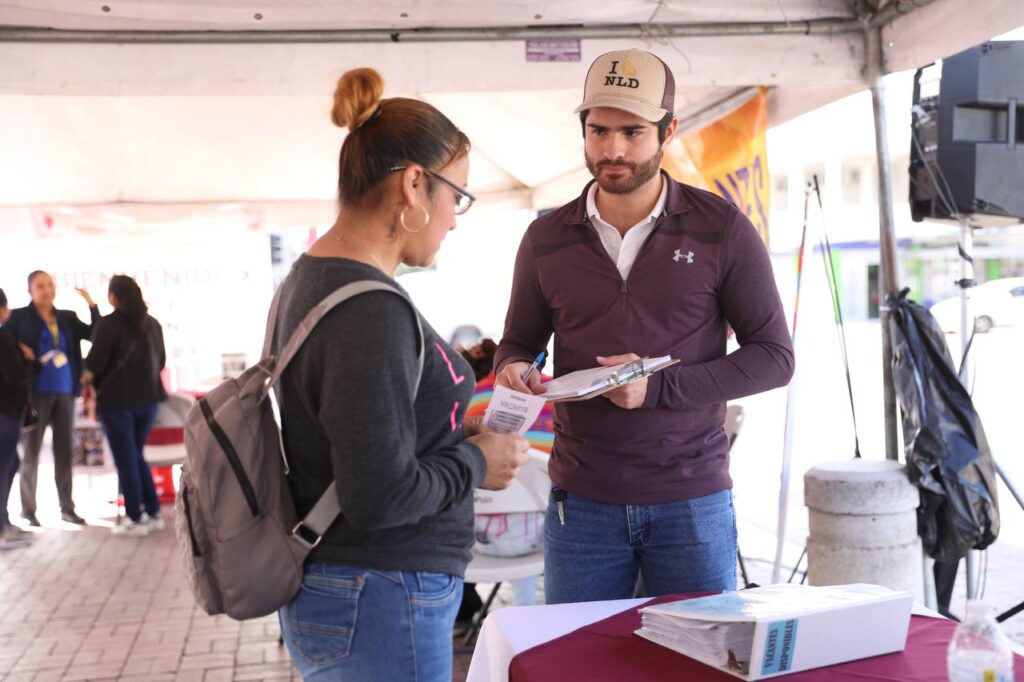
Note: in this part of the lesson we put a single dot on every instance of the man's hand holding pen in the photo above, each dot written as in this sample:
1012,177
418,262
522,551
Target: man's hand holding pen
522,376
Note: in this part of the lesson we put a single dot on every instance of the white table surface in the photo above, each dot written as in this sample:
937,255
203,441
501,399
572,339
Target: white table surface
513,629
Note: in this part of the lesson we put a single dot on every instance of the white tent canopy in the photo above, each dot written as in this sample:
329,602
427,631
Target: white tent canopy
105,103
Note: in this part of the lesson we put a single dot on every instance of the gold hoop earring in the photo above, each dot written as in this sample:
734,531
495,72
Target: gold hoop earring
401,219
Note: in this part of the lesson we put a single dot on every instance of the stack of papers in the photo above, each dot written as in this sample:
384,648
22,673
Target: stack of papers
588,383
514,412
726,645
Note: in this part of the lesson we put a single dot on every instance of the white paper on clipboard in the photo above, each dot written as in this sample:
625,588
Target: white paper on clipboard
589,383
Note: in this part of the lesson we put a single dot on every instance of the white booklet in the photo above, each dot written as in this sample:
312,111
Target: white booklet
511,411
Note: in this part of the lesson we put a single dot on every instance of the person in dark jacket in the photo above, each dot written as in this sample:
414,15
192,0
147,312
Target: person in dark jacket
381,587
13,400
123,374
53,337
641,265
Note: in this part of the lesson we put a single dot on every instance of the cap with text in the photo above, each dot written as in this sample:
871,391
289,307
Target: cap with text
633,81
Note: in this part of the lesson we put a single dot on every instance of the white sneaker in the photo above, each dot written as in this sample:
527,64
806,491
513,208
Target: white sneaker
11,540
130,528
153,523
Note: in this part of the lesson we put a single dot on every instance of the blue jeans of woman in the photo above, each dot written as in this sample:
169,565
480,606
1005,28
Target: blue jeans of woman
350,623
10,431
126,429
687,546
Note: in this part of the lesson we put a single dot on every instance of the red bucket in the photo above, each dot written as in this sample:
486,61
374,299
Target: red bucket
163,479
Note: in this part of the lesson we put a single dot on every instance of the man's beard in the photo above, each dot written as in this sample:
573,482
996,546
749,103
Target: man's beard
639,173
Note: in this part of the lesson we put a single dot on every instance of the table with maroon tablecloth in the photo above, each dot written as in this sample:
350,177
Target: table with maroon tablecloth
595,641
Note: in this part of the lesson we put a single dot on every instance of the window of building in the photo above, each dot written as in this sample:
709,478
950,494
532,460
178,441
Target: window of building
853,184
816,170
780,192
900,180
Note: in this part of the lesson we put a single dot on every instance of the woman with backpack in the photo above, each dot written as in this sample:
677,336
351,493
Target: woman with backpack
123,375
381,589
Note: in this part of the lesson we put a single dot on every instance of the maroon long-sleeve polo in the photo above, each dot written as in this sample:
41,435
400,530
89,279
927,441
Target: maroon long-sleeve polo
703,268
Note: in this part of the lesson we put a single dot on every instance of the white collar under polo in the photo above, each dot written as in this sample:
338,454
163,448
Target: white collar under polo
623,250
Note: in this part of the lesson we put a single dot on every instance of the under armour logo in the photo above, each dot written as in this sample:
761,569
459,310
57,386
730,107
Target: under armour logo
679,254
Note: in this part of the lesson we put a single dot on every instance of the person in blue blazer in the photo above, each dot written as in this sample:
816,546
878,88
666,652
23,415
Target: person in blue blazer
54,338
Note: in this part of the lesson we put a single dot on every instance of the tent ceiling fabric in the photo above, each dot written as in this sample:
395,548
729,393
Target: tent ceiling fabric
106,122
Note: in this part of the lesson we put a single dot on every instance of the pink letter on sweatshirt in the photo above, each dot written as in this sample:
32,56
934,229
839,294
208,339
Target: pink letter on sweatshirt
451,370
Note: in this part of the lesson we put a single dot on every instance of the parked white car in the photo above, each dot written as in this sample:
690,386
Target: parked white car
997,303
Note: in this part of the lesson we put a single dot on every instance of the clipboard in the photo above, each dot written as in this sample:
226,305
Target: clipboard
612,378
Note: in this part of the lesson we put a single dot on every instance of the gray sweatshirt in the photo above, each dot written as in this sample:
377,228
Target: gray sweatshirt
404,470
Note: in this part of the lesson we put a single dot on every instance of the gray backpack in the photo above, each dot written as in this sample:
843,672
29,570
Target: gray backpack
235,519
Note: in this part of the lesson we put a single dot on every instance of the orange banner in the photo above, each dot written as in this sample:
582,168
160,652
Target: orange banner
731,157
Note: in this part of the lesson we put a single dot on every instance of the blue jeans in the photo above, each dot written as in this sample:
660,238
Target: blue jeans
10,432
687,546
350,623
127,429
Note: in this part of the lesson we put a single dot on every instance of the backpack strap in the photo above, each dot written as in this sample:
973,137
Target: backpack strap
318,312
310,530
268,336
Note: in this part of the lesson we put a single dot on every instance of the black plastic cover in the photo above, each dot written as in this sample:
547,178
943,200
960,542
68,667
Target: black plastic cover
948,456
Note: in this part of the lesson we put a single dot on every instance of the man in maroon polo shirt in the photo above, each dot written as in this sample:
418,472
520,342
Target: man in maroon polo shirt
641,265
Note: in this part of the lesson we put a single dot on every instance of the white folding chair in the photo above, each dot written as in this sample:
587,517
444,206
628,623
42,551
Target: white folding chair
527,493
169,415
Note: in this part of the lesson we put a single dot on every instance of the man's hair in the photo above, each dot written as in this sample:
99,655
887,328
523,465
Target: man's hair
663,124
35,273
3,299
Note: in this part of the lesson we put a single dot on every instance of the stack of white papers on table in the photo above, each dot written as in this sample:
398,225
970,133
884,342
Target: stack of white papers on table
586,382
725,644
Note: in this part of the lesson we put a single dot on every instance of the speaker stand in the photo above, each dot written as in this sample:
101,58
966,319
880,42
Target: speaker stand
965,246
966,249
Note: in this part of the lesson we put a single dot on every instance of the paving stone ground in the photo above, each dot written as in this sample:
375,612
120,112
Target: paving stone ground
82,604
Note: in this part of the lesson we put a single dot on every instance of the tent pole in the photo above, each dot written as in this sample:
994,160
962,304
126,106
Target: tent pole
829,26
888,280
826,27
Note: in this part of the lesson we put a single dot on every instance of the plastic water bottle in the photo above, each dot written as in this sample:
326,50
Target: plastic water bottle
979,651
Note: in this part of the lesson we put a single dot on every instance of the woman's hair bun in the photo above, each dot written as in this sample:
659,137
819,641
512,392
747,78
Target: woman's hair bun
356,98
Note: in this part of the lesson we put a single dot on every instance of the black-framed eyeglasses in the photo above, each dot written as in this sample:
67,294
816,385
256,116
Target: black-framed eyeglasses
463,199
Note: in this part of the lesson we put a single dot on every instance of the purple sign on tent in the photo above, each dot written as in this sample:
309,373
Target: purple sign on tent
553,50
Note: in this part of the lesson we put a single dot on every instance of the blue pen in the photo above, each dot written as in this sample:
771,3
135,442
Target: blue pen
536,363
